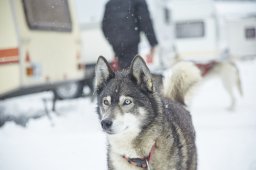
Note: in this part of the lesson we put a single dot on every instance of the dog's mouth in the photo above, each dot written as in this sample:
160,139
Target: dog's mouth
112,132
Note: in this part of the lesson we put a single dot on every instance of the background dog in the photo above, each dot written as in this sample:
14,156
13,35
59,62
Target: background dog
226,70
229,75
144,129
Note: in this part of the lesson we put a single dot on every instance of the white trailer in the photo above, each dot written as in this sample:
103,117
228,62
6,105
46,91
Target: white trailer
204,29
241,37
237,25
195,29
39,46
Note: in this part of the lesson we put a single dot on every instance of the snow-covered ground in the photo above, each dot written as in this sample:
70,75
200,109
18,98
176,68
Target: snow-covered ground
227,140
73,140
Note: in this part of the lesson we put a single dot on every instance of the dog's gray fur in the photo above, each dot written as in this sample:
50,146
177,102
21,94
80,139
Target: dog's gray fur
140,117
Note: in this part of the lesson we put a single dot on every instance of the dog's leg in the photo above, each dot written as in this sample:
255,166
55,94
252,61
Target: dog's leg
229,89
229,79
238,79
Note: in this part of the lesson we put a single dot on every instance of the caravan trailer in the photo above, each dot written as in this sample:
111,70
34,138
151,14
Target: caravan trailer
237,25
39,46
204,29
195,29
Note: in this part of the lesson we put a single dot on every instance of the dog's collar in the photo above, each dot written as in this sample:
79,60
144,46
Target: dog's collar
141,162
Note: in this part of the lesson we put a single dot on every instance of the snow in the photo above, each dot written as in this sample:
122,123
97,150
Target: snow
226,140
73,139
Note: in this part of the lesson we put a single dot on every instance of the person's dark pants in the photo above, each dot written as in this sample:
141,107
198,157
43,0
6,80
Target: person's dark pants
125,55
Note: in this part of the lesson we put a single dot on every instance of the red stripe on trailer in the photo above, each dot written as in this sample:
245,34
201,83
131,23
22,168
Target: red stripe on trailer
8,56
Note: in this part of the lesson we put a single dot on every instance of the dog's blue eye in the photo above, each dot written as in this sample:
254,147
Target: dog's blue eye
127,102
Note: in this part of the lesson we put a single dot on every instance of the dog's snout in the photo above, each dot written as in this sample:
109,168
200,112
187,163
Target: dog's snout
106,124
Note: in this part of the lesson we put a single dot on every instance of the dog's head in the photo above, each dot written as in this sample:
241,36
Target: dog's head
125,98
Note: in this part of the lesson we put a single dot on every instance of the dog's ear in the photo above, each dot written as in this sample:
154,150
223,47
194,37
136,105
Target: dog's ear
141,73
103,72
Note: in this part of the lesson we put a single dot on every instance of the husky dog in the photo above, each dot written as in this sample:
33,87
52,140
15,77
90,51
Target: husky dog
146,130
226,69
229,74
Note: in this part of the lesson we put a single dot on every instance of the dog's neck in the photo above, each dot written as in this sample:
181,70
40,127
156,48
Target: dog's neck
123,144
133,143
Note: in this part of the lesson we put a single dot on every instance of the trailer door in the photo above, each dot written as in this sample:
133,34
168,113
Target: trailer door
49,40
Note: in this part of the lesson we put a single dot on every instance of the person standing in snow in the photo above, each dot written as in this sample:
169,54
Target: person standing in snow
122,23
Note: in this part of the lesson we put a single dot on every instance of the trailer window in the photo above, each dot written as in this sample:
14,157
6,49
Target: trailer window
51,15
195,29
250,33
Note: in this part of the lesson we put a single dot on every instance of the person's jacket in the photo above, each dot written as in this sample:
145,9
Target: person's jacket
123,21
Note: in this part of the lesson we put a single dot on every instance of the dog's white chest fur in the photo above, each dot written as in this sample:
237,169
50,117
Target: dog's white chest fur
121,145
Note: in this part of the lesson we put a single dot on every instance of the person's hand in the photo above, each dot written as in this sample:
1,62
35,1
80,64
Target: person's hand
115,64
150,56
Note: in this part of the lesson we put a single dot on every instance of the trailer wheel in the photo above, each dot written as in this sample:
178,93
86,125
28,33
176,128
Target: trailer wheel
69,90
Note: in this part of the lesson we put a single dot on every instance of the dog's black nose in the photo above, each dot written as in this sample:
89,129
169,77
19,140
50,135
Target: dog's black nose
106,124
